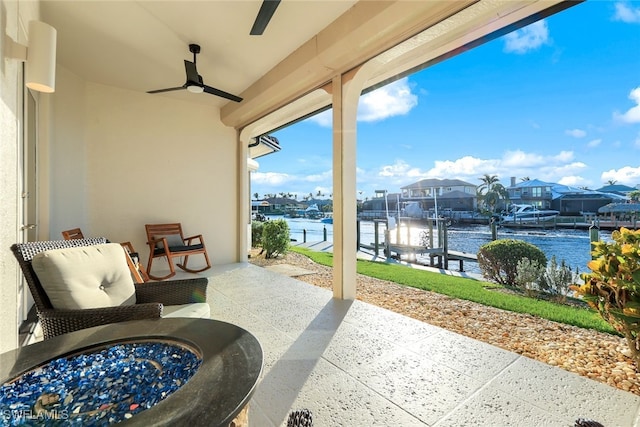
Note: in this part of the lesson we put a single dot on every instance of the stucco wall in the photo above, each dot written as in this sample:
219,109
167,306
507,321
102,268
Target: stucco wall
14,17
150,159
66,163
112,161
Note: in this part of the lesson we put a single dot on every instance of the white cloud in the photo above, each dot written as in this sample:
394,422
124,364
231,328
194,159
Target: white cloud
627,175
324,119
399,169
320,177
528,38
325,192
560,167
463,167
626,13
576,133
633,114
594,143
519,158
394,99
512,164
270,178
563,156
557,171
468,168
573,181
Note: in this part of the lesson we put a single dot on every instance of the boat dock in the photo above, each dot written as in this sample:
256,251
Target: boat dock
438,257
576,224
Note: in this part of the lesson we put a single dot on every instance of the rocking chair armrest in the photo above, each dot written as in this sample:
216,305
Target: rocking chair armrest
154,242
57,322
189,239
173,292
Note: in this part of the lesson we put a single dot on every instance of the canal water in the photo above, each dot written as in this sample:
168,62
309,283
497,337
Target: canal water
572,246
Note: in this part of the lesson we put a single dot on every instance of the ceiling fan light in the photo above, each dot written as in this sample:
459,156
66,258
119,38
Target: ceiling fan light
195,89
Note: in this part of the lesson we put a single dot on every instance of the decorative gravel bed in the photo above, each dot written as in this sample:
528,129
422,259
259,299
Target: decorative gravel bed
596,355
100,387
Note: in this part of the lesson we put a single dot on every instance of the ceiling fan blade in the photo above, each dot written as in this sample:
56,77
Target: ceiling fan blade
267,10
192,72
168,89
221,93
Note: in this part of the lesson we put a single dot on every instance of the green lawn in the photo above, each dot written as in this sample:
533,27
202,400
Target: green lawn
471,290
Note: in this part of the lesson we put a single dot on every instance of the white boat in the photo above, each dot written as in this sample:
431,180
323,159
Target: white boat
527,214
328,218
313,212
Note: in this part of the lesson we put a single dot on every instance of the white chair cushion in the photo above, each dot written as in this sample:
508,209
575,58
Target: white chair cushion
86,277
197,310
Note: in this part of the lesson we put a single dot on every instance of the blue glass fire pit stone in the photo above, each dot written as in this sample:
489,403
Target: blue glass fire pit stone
98,388
225,362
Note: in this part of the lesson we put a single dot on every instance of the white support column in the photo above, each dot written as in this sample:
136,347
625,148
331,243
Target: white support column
244,198
346,90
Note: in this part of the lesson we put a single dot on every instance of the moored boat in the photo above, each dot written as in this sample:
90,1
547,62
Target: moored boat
312,212
521,213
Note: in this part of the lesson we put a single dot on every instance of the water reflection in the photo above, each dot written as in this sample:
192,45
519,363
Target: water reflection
572,246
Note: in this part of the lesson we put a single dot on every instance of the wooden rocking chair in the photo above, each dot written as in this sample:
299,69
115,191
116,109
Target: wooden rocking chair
74,233
167,240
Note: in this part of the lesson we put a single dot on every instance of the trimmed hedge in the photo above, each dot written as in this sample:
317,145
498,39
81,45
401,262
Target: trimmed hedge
499,259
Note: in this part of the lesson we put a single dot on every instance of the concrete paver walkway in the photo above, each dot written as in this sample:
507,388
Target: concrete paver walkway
355,364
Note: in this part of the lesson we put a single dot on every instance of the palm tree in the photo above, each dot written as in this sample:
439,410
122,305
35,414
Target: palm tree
487,182
495,192
634,195
612,182
255,196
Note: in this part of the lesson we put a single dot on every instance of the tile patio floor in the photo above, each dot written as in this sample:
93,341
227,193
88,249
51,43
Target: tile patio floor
354,364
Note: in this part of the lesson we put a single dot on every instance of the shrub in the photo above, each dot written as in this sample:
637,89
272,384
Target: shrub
613,286
528,273
557,279
256,233
275,238
498,260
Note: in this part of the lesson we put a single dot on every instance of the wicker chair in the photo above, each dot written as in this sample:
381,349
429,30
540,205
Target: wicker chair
150,296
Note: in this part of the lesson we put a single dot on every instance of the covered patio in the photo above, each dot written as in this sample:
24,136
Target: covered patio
102,154
355,364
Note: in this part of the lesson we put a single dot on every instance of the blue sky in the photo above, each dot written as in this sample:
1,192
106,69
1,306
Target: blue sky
558,101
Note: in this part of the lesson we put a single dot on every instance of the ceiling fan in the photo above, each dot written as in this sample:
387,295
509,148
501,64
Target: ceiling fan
194,81
265,14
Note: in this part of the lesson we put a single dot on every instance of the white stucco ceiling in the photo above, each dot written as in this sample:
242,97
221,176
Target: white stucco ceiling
141,45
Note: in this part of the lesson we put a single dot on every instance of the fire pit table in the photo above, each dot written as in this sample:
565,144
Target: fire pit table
175,372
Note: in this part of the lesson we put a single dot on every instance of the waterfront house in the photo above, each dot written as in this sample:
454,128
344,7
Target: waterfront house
281,205
620,189
565,199
452,194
